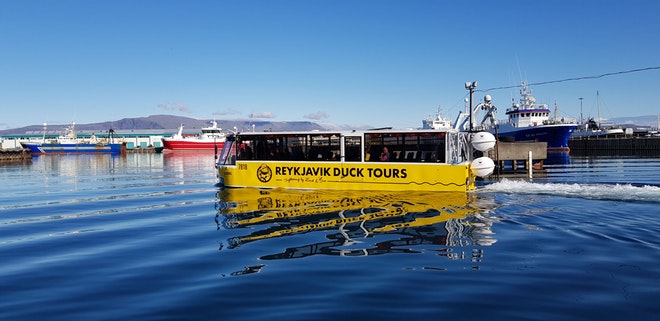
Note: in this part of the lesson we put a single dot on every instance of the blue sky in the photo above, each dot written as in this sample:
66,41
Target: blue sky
341,62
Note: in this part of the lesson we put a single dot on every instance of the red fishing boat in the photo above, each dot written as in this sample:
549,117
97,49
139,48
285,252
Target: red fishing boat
210,138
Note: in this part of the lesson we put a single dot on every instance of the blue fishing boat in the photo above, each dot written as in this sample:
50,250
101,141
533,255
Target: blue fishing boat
69,143
527,121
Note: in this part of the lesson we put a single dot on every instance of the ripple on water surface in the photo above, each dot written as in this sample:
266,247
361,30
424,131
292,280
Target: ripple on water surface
151,237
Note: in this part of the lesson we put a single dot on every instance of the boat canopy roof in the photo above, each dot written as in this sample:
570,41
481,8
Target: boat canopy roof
347,133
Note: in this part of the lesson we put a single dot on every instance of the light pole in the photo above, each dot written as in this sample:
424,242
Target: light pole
470,86
580,109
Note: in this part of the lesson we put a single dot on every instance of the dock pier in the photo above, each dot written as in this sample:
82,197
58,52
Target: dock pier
644,145
507,156
15,154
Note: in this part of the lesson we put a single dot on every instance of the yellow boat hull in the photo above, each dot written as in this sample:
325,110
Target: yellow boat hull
349,176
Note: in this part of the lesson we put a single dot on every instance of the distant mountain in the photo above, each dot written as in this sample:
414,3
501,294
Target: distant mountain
166,124
169,124
648,121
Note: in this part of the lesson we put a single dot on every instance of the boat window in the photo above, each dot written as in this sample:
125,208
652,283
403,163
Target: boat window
410,148
323,147
376,143
290,147
353,148
406,147
432,148
228,153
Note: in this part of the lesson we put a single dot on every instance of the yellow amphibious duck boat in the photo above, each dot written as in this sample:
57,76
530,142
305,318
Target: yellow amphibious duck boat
382,159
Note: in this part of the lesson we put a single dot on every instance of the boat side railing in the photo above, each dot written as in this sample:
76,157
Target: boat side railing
458,147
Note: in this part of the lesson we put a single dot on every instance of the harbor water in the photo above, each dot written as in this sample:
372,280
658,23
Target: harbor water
151,237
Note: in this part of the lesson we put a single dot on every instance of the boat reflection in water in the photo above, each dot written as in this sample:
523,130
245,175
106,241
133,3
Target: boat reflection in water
396,222
557,158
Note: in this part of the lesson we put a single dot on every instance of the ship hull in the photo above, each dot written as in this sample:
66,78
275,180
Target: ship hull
174,144
555,135
39,148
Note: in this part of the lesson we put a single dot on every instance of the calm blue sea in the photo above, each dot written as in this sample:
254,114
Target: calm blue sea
151,237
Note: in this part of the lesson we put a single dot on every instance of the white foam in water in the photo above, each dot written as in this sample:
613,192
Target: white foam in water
616,192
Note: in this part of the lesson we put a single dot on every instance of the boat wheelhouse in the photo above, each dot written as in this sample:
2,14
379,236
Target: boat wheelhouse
382,159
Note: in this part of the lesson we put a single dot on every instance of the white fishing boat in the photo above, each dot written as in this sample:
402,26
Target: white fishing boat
436,121
593,128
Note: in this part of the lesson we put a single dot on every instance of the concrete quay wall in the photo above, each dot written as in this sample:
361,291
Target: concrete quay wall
640,144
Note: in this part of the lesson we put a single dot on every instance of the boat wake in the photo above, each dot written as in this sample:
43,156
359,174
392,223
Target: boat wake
613,192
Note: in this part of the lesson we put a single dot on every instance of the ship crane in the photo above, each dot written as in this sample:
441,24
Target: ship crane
486,106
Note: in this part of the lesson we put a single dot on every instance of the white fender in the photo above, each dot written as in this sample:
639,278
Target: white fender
482,166
483,141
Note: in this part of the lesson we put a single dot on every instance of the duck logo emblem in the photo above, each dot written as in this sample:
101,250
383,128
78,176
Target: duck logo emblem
264,173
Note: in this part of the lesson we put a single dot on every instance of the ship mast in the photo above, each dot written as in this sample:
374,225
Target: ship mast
598,106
